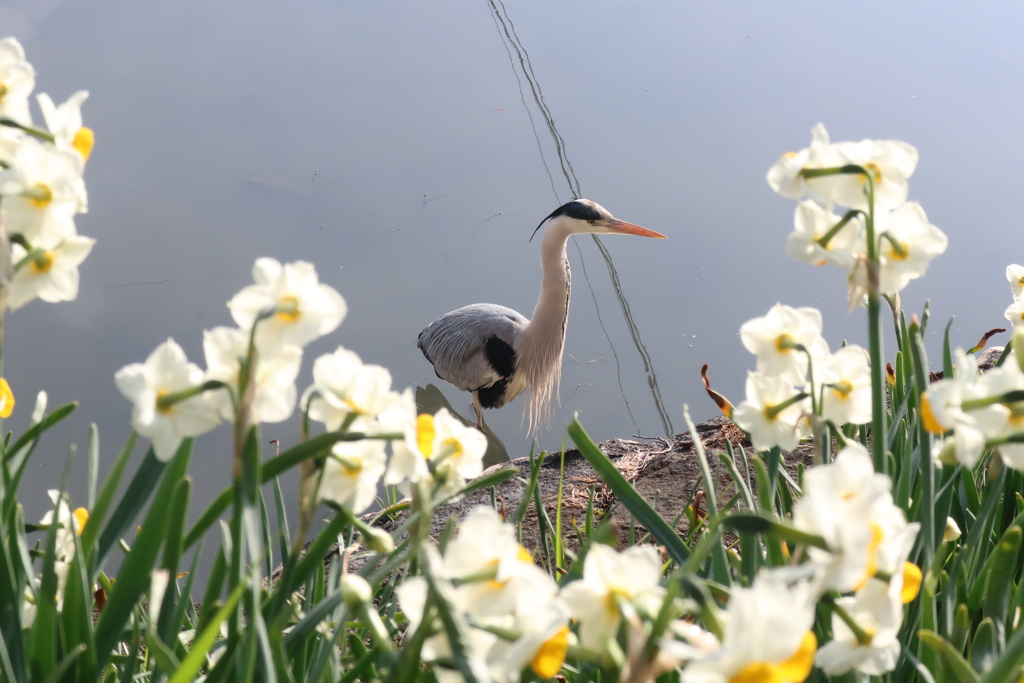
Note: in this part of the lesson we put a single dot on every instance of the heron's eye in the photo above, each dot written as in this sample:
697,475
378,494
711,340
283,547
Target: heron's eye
592,222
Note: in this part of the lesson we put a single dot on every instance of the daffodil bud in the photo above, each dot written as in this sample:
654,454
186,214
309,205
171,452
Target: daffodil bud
946,455
355,591
378,540
952,531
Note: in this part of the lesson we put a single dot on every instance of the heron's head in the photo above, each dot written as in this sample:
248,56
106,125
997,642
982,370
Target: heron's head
583,215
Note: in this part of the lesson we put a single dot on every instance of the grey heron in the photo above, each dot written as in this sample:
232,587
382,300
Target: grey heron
493,351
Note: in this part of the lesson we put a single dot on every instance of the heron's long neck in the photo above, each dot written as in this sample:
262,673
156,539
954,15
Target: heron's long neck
539,352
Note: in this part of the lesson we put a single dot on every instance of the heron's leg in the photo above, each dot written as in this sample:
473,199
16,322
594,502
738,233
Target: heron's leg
479,412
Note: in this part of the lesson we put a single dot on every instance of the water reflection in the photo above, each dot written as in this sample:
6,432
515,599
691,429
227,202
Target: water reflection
519,60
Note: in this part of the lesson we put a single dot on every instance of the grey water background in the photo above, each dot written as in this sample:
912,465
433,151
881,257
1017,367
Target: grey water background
409,150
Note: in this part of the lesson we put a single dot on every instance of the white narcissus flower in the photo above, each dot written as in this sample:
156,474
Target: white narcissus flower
850,505
786,178
351,473
1015,313
811,223
50,275
44,190
455,450
306,309
609,579
767,635
875,610
759,416
774,336
1004,418
542,645
846,380
890,163
344,386
71,525
942,410
17,79
485,545
166,371
1015,276
412,599
64,122
274,376
907,243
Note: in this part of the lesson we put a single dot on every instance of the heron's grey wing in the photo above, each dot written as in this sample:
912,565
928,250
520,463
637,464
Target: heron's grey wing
455,343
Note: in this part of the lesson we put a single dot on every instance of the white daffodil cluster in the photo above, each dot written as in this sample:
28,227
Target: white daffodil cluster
797,377
284,310
868,542
869,180
41,187
859,571
973,411
766,635
516,617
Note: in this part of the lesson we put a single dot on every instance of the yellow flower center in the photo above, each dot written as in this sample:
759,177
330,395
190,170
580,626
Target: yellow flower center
793,670
876,173
1016,416
897,251
160,406
40,196
611,601
931,423
83,142
842,389
872,565
42,263
81,517
6,398
784,343
550,656
455,446
425,434
288,309
911,582
351,466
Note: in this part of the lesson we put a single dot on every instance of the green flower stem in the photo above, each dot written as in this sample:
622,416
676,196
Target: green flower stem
897,247
879,433
1001,440
862,636
879,428
18,238
33,255
34,132
810,381
834,230
1009,397
167,401
773,412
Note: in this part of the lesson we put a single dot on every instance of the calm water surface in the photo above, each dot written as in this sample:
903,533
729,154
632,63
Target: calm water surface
409,149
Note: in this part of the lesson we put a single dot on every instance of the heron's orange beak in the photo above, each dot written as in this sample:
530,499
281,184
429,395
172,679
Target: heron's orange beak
631,229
